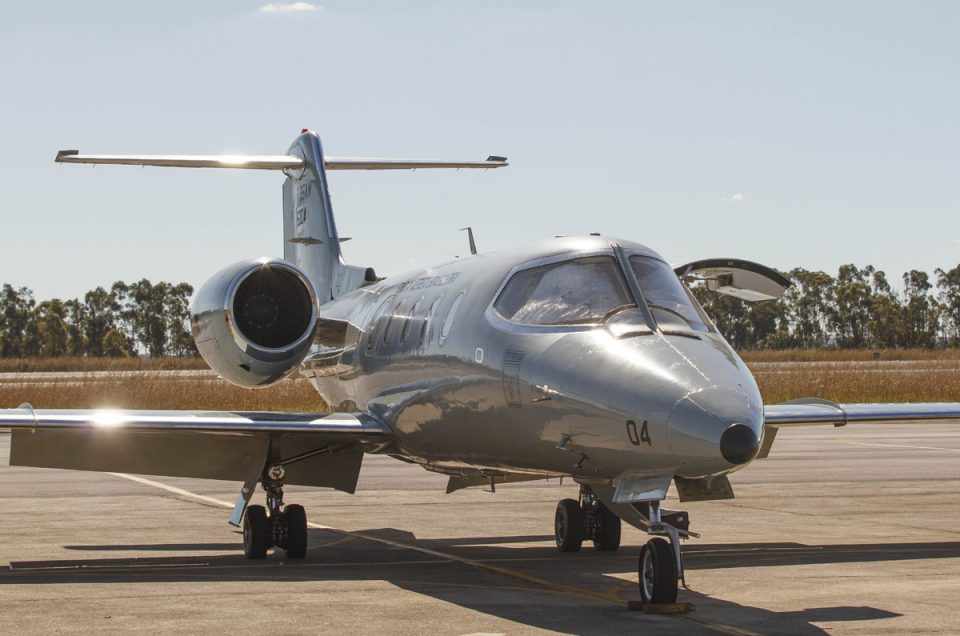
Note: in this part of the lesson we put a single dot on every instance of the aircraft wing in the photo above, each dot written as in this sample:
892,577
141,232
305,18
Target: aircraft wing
317,449
816,412
271,162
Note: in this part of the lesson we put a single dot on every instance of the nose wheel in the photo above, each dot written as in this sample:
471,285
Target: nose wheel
658,575
275,525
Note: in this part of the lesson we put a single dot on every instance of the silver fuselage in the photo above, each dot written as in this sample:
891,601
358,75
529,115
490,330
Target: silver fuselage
462,387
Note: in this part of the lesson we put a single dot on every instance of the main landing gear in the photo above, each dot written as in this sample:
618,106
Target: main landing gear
577,521
276,525
660,566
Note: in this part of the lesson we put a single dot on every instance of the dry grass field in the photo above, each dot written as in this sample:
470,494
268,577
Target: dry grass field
854,384
50,365
843,376
28,365
162,393
848,355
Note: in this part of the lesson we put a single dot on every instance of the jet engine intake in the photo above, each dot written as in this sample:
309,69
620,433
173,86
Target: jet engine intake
253,322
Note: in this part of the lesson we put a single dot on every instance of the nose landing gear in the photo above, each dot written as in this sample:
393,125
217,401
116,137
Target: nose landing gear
660,567
275,525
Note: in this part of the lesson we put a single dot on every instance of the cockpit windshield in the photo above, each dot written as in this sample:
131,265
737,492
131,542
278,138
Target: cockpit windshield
579,291
666,296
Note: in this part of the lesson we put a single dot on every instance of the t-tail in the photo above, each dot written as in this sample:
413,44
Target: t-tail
311,241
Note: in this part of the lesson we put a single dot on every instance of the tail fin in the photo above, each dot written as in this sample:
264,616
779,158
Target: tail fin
310,239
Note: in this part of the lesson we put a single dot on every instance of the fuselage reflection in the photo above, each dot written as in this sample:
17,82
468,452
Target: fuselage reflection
585,356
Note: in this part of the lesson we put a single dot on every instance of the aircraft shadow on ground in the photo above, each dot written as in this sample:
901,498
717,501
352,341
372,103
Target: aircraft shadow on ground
335,557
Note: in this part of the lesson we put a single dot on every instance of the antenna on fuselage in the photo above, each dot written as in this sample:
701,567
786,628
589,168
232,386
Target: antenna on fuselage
473,243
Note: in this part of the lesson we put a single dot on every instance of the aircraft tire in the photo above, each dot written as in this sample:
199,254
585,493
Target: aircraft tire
296,519
608,534
658,572
569,525
257,532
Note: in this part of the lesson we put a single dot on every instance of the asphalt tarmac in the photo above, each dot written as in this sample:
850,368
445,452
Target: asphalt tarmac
846,531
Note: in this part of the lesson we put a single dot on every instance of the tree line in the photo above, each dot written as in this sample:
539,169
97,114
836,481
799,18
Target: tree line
129,319
857,308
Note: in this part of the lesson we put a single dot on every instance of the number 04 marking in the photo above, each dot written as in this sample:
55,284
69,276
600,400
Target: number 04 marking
637,437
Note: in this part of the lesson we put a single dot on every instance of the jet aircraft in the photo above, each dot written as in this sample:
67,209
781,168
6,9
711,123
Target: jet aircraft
584,357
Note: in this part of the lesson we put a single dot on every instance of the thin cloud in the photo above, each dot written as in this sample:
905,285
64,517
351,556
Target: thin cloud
289,7
737,197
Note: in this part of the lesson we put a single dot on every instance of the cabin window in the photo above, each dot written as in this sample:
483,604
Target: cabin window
398,324
409,318
579,291
377,323
390,322
427,320
666,296
451,314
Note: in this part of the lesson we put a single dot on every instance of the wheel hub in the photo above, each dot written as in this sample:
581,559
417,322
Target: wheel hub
647,574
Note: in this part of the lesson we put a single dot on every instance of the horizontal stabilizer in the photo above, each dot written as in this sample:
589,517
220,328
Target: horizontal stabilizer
359,163
271,162
247,162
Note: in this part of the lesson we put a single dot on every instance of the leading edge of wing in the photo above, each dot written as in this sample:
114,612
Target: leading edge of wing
26,417
814,413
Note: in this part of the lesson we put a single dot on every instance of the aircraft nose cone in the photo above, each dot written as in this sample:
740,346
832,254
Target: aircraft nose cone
739,444
714,429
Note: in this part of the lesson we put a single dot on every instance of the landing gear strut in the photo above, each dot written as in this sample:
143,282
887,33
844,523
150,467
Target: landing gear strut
276,524
575,521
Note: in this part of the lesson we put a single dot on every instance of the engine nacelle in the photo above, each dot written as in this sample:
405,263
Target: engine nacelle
254,321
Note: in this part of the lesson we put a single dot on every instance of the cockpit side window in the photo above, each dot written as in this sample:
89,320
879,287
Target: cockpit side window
665,295
578,291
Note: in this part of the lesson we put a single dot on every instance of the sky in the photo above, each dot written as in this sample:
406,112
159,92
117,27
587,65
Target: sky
794,134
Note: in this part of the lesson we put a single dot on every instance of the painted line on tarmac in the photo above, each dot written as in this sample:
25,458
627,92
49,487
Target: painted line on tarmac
610,596
395,544
875,445
171,489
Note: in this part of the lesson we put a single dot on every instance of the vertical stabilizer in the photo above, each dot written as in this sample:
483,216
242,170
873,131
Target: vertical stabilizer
310,234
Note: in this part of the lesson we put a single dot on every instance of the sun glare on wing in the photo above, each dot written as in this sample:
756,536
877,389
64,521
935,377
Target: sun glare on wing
109,419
